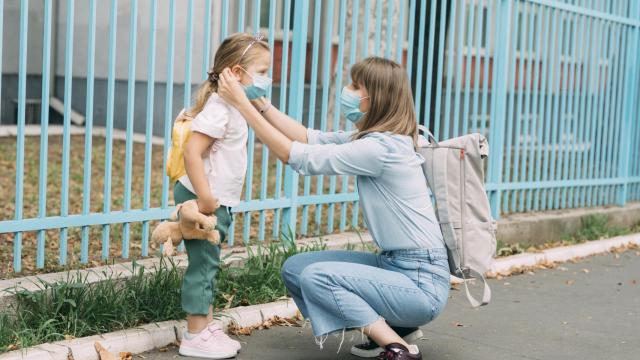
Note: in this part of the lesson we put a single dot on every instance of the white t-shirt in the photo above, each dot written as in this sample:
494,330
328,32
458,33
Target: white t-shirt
225,164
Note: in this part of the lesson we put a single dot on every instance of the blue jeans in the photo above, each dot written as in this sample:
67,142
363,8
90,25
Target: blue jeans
339,290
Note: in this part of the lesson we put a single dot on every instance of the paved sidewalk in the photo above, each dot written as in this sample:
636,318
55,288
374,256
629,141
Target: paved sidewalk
586,310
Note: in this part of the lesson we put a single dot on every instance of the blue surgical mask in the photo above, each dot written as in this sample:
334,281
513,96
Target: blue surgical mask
350,103
259,88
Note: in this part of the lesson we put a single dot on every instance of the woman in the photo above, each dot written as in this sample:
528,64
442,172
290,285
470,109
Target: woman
407,284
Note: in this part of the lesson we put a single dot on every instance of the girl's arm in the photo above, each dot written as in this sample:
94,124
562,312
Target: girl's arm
194,149
281,121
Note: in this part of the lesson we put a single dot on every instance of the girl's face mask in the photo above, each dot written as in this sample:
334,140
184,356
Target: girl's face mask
259,88
350,103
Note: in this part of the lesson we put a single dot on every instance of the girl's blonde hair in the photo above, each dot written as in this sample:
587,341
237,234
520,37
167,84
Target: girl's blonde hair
390,97
238,49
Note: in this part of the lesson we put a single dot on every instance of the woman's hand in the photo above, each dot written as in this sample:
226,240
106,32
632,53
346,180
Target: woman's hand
231,91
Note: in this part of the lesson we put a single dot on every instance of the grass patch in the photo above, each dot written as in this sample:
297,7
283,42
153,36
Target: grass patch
73,308
593,227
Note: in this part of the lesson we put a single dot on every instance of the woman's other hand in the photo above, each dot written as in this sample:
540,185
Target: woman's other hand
230,90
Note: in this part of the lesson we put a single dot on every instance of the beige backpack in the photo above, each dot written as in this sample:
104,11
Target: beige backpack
455,175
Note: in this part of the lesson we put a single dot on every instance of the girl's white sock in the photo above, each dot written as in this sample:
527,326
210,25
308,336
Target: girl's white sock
413,349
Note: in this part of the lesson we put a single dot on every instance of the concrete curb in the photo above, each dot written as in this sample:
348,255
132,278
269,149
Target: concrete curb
561,254
152,336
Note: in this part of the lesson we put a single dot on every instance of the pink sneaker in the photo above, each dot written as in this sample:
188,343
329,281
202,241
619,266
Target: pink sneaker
217,331
210,343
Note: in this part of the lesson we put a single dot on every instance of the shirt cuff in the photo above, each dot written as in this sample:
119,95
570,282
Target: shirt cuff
296,155
312,136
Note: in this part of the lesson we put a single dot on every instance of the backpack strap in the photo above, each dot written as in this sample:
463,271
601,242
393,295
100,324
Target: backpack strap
425,131
486,293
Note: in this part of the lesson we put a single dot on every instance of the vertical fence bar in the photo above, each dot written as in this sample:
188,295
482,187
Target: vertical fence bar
326,82
365,32
519,98
577,99
206,42
485,75
389,41
336,111
615,134
450,75
510,96
283,102
536,119
241,14
410,34
352,60
44,125
265,150
378,32
546,14
188,49
420,59
458,75
498,101
66,137
296,103
467,74
620,96
1,47
607,123
22,93
528,118
595,131
549,102
148,148
439,79
631,91
562,95
168,102
400,34
131,89
251,142
432,29
312,101
477,57
113,19
88,135
599,133
588,110
224,25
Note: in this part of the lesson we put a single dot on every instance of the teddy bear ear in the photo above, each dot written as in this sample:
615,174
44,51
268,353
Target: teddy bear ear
175,215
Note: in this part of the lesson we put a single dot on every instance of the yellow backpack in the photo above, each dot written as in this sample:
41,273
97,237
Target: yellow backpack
179,137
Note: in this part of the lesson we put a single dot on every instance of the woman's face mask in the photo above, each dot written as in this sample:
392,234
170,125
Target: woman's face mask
350,103
259,88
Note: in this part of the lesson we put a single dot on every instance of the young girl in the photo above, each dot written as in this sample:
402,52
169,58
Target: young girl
215,159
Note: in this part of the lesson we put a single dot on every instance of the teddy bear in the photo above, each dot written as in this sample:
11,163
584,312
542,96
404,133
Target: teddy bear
186,222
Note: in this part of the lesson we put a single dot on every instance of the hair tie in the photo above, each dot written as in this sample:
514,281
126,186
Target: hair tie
213,77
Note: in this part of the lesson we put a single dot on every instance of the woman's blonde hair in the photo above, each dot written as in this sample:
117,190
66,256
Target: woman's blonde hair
238,49
390,97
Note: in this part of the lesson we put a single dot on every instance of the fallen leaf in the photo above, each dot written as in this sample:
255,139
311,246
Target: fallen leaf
633,282
457,324
103,353
564,323
562,268
586,271
125,355
569,282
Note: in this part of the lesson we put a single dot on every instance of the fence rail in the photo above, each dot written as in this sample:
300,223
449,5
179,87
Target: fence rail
553,84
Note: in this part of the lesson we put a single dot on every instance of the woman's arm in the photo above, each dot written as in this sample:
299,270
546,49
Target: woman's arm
229,89
197,145
281,121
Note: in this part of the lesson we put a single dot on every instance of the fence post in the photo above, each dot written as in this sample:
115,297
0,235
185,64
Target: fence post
631,95
295,102
499,102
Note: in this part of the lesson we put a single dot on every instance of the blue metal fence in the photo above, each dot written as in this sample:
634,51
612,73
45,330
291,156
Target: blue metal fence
553,84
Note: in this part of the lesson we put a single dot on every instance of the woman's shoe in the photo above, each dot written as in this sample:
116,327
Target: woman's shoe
370,349
397,351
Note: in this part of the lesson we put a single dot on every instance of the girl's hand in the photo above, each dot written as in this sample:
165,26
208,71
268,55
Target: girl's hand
231,91
208,205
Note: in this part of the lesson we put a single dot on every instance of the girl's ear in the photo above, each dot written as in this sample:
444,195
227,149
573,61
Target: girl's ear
237,71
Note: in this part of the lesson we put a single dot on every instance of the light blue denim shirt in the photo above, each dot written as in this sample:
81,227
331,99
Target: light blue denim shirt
393,191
